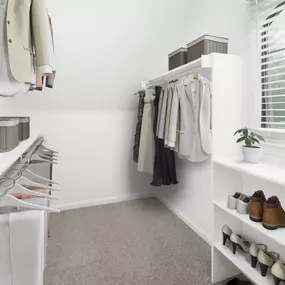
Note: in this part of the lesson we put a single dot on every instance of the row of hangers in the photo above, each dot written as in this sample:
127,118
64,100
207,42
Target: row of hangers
14,181
166,81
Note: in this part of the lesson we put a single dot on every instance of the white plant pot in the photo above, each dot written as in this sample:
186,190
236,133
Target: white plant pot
252,154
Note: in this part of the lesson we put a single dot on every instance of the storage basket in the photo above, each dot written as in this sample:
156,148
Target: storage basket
205,45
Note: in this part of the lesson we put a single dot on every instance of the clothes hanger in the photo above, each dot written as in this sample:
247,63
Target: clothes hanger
20,169
42,147
37,159
27,182
19,189
28,171
9,200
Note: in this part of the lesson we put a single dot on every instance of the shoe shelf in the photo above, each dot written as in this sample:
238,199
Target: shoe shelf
242,262
276,235
231,176
264,171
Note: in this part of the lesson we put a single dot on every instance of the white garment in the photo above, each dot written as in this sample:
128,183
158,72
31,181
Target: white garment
9,87
147,148
193,99
22,248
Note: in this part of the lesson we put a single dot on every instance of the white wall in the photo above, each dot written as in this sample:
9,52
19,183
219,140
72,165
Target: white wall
192,198
103,50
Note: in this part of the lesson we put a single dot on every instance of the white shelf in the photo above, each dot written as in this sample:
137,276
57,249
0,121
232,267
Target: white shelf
202,66
242,262
8,158
268,172
276,235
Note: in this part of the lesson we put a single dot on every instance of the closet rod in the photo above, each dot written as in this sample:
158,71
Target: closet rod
194,66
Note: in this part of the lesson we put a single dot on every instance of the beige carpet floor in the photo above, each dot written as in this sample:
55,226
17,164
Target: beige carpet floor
131,243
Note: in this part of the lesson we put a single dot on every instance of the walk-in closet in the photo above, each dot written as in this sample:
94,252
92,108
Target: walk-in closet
142,142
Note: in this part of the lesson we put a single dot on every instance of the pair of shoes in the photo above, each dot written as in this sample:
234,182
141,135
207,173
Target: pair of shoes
258,252
278,272
269,211
236,240
240,202
267,260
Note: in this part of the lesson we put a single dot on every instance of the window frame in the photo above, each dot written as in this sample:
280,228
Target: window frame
273,136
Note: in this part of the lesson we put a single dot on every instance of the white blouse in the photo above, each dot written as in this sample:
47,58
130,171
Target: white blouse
9,87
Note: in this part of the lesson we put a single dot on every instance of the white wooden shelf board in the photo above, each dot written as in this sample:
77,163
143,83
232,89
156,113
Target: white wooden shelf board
276,235
8,158
243,264
271,173
202,66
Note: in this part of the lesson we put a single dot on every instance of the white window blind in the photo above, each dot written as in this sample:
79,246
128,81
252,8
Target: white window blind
271,37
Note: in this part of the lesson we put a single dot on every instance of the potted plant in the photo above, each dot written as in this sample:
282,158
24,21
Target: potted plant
251,152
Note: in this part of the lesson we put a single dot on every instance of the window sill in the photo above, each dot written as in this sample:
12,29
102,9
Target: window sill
274,146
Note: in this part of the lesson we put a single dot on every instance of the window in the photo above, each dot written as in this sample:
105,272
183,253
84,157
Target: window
271,33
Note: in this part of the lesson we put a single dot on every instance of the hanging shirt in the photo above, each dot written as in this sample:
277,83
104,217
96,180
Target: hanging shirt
9,87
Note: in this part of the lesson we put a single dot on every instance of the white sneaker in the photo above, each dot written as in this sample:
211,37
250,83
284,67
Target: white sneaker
243,205
232,200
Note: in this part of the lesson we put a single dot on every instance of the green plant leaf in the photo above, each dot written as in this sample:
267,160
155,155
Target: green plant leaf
258,136
245,132
254,140
248,142
239,131
241,139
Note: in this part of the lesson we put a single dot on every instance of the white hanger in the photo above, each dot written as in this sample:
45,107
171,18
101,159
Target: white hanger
42,147
19,189
38,159
37,156
8,200
40,177
48,157
25,181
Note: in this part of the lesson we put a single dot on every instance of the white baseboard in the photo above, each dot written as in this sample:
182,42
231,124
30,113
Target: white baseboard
85,204
189,223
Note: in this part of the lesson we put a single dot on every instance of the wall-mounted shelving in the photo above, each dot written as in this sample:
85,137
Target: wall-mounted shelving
230,176
262,170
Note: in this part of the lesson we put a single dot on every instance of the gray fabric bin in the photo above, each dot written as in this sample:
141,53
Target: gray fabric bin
205,45
177,58
9,134
24,128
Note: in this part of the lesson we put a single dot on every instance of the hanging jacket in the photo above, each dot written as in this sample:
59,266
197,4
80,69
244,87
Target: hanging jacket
29,35
193,98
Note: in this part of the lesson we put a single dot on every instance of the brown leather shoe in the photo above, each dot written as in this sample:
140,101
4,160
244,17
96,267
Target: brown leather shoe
256,206
274,215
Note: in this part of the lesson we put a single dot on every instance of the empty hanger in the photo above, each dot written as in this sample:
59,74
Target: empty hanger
29,183
44,148
9,200
45,180
19,189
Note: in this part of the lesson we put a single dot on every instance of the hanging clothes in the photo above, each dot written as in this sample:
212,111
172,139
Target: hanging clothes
164,171
146,147
193,97
9,86
138,127
26,46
